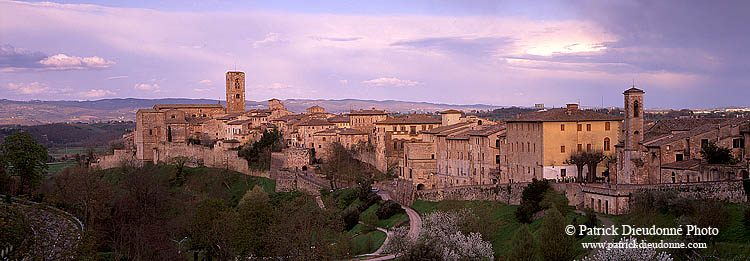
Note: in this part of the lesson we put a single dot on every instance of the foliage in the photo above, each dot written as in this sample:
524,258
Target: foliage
553,199
554,244
531,197
628,254
179,162
504,113
72,134
258,154
399,242
746,216
370,219
523,245
14,232
388,209
443,228
715,154
343,169
591,219
586,158
24,158
426,250
350,216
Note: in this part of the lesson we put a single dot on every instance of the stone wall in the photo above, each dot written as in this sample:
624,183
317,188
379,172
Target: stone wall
117,159
216,157
476,192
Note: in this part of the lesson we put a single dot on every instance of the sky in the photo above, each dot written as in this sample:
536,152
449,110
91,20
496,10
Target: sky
682,54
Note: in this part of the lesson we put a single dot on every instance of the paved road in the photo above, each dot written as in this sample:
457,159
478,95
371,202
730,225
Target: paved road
415,221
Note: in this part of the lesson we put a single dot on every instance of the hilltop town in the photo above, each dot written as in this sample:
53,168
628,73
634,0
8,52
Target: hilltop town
598,158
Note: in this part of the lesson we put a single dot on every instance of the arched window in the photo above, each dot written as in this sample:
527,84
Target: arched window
673,177
237,96
636,109
606,144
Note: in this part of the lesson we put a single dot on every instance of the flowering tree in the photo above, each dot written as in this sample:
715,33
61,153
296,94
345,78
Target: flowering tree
443,228
628,254
398,242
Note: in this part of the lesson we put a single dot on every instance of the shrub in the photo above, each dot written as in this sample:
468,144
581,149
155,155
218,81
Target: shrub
388,209
552,199
554,243
370,219
531,196
351,218
591,220
522,248
746,218
628,253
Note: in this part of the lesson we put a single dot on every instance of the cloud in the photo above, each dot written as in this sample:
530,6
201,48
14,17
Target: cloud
147,87
385,81
18,59
344,82
206,82
275,85
335,39
97,93
34,88
476,46
271,38
202,89
116,77
64,62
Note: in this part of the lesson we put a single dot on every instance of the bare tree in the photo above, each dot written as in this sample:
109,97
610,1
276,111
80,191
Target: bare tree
590,159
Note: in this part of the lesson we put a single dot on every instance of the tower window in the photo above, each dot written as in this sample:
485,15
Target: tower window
606,144
237,96
636,109
606,126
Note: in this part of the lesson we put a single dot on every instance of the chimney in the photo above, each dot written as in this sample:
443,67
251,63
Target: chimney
572,106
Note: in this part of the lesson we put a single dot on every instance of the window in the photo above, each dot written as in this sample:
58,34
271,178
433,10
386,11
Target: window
588,127
678,157
606,126
237,96
394,128
580,147
673,177
580,127
588,147
563,172
497,143
562,127
497,159
172,116
562,149
528,147
606,144
704,143
738,143
324,138
150,132
636,109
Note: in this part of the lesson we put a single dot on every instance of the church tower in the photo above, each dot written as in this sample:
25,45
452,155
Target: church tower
633,118
235,92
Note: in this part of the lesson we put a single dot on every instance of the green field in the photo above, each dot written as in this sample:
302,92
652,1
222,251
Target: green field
55,167
502,219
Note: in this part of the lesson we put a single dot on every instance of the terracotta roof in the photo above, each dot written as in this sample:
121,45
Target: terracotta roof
447,127
229,116
367,112
352,132
560,115
664,139
327,132
633,90
411,119
451,111
315,122
487,130
171,106
667,126
339,119
262,115
693,164
238,122
197,120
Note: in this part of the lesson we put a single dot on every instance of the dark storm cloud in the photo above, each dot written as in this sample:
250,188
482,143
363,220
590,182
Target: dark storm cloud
12,58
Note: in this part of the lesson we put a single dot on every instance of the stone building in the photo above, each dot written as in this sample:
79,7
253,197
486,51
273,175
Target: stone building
365,119
315,109
341,121
540,142
235,92
668,151
450,117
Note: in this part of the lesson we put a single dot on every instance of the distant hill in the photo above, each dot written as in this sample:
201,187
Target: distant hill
41,112
71,134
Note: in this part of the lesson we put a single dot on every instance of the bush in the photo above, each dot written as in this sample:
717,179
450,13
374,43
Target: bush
554,243
388,209
552,199
522,245
351,218
746,218
370,219
531,197
591,220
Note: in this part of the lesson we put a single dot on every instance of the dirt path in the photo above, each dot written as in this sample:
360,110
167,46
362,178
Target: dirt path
415,221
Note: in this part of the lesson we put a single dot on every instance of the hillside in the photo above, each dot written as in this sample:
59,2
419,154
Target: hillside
41,112
72,134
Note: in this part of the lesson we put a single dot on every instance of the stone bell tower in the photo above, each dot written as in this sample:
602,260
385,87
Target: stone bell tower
632,135
235,92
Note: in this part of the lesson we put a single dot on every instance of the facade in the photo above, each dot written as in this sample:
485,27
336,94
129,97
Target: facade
235,92
539,143
365,119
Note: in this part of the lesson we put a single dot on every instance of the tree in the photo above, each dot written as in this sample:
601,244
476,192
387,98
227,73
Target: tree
258,154
554,244
580,161
627,253
586,158
25,159
442,230
531,196
89,155
399,242
715,154
522,248
179,163
553,199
